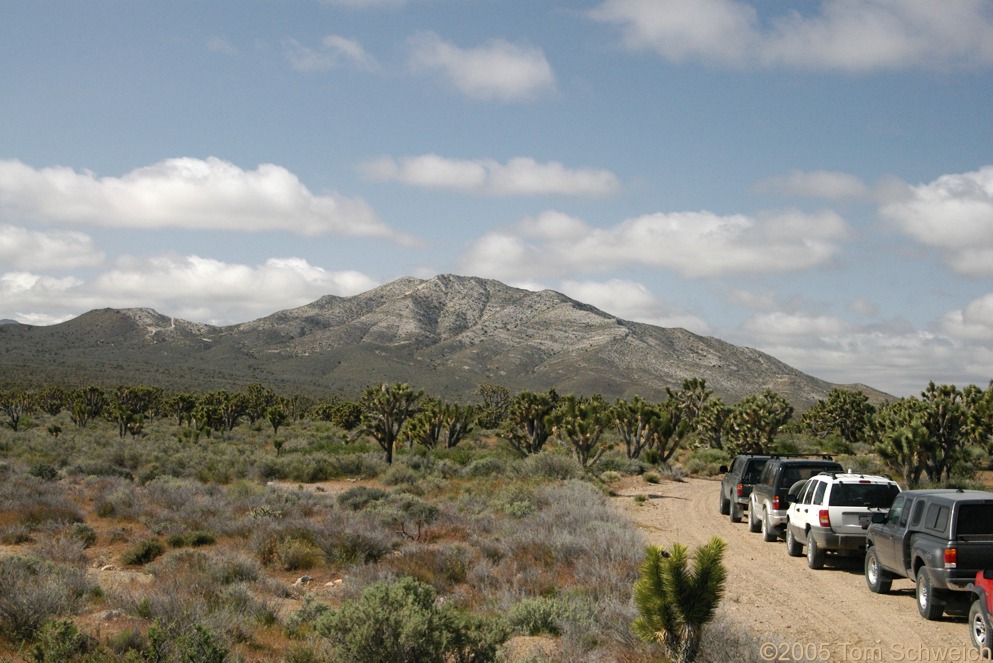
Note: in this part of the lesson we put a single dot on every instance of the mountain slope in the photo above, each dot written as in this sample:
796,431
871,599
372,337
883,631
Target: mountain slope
447,335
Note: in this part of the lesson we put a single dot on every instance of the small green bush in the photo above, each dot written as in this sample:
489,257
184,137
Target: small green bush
142,552
401,622
357,497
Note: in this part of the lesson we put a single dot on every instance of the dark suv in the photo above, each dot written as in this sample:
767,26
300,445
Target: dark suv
770,494
736,486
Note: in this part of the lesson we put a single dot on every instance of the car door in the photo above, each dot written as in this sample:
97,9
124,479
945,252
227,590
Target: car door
889,535
797,510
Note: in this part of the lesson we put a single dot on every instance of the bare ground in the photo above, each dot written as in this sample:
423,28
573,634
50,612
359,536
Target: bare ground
806,615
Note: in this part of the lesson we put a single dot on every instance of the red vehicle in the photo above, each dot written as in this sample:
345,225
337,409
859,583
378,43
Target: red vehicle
979,614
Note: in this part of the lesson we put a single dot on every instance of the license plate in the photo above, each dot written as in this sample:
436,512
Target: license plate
864,521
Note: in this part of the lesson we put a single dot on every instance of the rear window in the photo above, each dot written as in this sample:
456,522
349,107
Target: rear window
753,471
871,495
975,520
793,474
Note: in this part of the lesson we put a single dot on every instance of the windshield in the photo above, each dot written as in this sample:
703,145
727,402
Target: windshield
871,495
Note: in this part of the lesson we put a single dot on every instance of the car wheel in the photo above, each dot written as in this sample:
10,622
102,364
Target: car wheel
979,629
734,512
793,547
768,534
815,556
928,603
725,504
879,581
753,524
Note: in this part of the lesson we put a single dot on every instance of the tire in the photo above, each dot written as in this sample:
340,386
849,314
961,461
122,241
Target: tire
768,534
879,581
734,512
928,603
793,547
725,504
815,556
979,629
753,525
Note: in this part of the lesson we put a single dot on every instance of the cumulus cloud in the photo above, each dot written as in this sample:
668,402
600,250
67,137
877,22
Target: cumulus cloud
498,70
189,287
334,51
847,35
27,249
692,244
630,300
895,357
954,214
520,176
817,184
183,193
974,321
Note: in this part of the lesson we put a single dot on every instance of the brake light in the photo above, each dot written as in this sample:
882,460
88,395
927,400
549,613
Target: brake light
951,558
741,489
775,502
824,518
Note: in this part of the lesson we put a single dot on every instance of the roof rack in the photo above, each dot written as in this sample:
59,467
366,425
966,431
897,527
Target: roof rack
819,456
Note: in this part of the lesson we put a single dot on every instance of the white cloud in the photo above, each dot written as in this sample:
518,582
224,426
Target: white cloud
954,214
847,35
520,176
629,300
335,51
974,322
817,184
894,358
27,249
188,287
208,194
221,45
499,70
692,244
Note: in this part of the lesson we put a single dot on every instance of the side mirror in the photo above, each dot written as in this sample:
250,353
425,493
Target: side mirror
723,469
879,518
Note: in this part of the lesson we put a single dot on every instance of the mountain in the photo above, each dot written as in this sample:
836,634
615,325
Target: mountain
446,335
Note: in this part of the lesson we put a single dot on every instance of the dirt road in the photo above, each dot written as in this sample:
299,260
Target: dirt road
797,613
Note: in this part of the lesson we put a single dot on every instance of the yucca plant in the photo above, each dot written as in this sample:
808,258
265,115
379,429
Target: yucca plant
675,601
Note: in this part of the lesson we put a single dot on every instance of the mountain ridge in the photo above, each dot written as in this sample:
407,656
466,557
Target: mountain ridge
447,334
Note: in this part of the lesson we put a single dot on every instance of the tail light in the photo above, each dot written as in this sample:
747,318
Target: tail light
824,518
775,502
740,489
951,558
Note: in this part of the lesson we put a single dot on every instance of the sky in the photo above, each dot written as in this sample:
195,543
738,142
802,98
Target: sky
814,180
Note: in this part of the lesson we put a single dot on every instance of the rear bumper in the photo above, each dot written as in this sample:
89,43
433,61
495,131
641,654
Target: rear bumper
828,539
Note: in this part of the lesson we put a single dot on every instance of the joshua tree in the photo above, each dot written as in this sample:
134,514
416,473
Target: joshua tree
385,409
674,601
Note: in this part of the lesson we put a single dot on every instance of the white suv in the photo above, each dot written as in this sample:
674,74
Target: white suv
831,511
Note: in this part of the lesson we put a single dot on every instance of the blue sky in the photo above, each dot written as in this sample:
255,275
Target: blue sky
811,179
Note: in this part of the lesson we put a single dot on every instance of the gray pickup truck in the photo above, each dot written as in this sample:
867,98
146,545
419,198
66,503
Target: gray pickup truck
939,538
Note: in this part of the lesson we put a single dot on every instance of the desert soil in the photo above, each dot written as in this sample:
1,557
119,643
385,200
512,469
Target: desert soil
794,613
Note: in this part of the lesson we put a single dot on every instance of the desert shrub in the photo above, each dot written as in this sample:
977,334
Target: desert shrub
58,641
358,497
63,548
33,591
142,552
353,538
519,508
540,615
440,565
84,533
400,474
44,471
485,467
409,515
610,476
189,643
35,502
548,465
401,622
296,554
14,534
306,615
651,477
